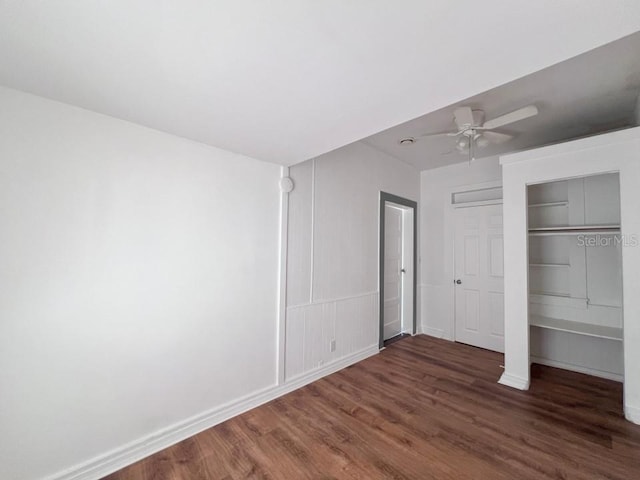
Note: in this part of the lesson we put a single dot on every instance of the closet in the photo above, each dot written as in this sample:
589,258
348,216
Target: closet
572,260
575,274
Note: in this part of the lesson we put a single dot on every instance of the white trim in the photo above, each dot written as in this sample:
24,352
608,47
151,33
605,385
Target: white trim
333,300
470,187
132,452
313,228
514,381
572,146
478,203
282,281
575,368
632,414
329,368
434,332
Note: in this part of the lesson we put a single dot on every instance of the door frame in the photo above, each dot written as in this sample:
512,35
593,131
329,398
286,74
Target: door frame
449,251
384,199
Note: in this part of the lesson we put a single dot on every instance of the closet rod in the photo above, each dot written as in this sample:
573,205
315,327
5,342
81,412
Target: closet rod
590,232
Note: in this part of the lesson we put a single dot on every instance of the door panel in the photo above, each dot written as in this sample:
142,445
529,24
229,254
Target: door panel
496,313
479,265
472,311
496,257
471,255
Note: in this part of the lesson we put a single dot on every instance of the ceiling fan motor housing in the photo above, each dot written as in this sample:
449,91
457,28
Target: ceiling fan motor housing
478,117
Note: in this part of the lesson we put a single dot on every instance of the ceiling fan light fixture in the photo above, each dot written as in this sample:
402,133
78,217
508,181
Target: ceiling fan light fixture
482,142
462,143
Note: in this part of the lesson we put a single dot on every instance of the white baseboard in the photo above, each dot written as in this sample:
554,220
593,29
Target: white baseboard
121,457
301,380
632,414
514,381
433,332
578,369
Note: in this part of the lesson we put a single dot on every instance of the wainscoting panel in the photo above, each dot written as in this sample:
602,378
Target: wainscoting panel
346,326
437,310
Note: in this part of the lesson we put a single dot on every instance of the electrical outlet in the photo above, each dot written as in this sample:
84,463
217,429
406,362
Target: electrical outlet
332,346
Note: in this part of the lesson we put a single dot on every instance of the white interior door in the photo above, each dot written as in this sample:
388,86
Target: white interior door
393,246
479,268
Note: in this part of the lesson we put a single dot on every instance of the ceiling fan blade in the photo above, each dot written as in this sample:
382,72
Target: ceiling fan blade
412,140
495,137
440,134
463,117
435,135
515,116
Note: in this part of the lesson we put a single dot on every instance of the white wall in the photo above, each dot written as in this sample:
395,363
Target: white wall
332,273
437,235
138,282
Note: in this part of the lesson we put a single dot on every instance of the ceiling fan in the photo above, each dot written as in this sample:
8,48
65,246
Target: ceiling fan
474,132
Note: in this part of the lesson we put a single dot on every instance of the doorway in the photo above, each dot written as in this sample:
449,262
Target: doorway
398,267
479,277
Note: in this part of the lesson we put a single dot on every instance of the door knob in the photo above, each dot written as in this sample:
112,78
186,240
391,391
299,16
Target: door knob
403,271
458,282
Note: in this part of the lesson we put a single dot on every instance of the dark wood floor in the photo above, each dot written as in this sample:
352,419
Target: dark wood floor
422,409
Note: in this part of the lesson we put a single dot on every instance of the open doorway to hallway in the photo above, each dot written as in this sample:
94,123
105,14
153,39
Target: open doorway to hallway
397,267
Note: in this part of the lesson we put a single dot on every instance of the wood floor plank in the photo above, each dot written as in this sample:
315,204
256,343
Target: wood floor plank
422,409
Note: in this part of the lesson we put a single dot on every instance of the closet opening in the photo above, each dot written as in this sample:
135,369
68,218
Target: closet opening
575,275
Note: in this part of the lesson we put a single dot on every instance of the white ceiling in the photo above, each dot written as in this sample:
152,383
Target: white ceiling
286,80
591,93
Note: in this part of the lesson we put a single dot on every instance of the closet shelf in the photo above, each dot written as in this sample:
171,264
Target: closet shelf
574,230
549,204
580,328
578,227
551,294
555,265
